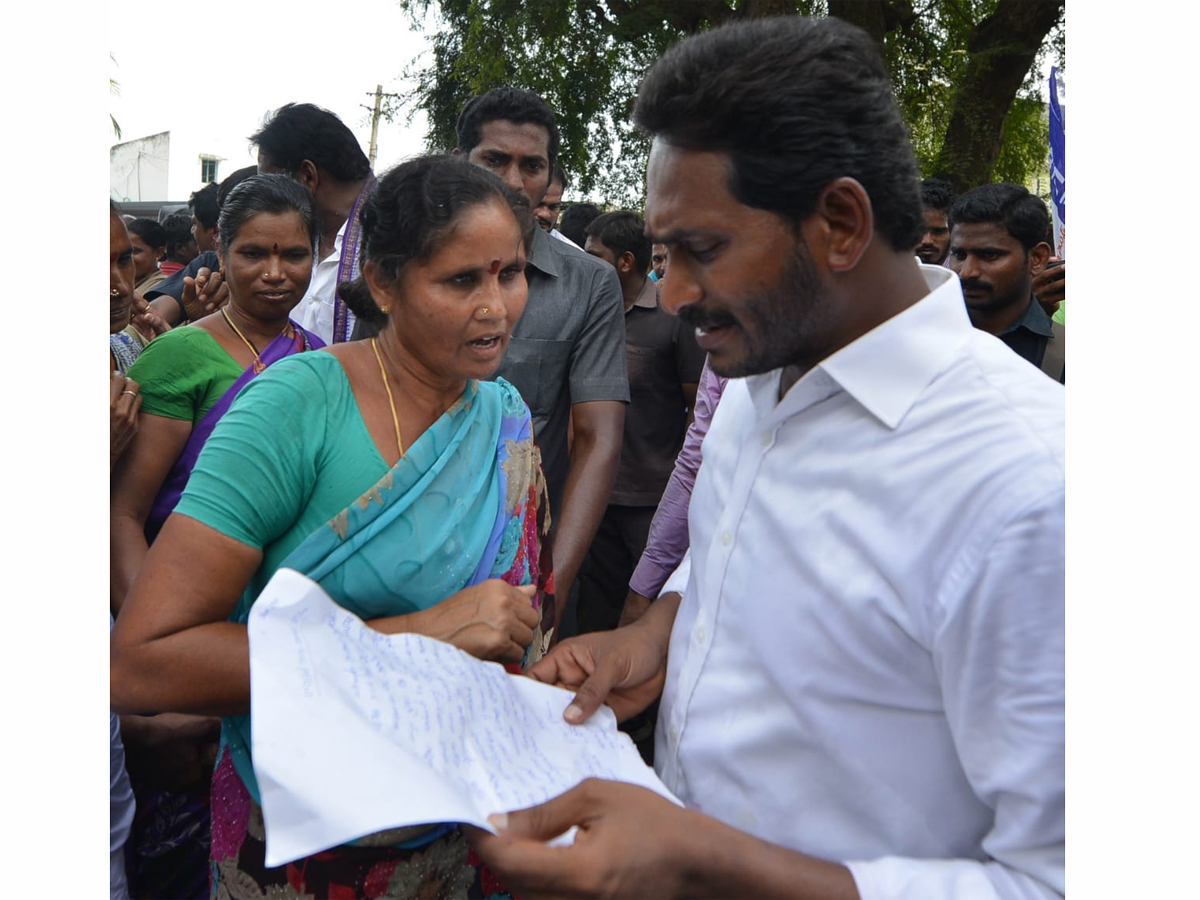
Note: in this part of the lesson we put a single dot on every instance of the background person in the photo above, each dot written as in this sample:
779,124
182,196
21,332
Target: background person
937,196
149,247
191,376
406,419
181,245
998,249
567,354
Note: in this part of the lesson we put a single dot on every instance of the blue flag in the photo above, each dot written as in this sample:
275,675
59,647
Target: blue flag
1058,160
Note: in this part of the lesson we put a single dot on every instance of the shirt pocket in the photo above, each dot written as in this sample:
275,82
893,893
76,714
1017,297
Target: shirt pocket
538,369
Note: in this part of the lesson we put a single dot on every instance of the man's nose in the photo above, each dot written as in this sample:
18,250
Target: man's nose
680,290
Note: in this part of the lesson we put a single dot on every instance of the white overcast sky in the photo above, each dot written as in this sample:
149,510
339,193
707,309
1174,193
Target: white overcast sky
252,57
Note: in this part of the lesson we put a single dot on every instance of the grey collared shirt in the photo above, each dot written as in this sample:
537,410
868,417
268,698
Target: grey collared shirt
568,347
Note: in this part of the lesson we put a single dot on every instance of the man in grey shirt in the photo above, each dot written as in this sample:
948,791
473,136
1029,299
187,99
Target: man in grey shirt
567,352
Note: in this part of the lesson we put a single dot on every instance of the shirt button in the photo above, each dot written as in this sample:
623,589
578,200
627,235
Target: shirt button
675,732
701,635
766,438
727,538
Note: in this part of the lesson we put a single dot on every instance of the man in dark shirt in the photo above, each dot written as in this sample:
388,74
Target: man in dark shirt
567,353
664,369
997,246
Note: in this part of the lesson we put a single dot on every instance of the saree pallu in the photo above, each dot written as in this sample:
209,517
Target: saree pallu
293,339
466,503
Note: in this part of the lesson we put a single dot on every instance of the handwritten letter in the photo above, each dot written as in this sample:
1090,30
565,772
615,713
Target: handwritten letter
354,732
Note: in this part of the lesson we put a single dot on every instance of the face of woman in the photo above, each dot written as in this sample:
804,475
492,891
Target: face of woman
455,311
268,265
145,257
120,275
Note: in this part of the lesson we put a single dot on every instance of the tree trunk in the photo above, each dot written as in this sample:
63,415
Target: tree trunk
1002,49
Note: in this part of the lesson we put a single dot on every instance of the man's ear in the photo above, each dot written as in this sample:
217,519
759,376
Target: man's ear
308,175
846,223
456,152
212,234
626,262
1039,254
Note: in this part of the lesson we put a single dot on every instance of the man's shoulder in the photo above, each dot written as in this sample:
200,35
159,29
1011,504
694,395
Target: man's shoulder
1005,399
571,257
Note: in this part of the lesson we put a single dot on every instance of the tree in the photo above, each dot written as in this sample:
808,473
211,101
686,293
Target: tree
963,72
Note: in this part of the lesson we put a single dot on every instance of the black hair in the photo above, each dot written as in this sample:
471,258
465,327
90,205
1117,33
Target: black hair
796,102
623,231
178,229
937,193
231,181
152,234
557,174
299,131
275,194
204,205
513,104
412,214
1021,213
575,220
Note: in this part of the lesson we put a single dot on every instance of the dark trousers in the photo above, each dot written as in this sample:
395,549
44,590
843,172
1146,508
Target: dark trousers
609,564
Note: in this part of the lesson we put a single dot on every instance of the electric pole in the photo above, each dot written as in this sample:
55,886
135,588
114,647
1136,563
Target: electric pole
375,124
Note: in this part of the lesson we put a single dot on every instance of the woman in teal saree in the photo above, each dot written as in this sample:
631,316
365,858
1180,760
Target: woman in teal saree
443,537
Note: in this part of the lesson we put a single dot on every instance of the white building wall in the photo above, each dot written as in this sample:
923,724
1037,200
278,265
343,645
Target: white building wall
138,169
166,166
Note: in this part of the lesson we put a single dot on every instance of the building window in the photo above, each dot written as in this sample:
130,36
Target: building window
208,170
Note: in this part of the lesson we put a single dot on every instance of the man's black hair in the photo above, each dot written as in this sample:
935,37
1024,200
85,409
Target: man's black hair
179,231
299,131
557,174
622,231
1022,214
575,220
204,205
937,193
233,180
513,104
796,102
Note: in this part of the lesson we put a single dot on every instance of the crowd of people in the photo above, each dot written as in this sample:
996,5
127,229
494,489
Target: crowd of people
751,467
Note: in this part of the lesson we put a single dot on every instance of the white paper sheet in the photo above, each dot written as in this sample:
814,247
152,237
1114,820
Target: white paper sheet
354,731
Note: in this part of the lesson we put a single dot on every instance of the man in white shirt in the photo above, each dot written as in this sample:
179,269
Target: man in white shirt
546,212
861,659
315,147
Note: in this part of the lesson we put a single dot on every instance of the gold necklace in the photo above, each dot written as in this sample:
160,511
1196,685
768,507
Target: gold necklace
258,363
391,402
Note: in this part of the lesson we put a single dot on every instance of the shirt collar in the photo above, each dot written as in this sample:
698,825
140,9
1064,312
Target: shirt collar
887,368
647,297
1034,319
541,253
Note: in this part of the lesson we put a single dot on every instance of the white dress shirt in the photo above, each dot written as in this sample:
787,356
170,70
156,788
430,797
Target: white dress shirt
315,310
867,665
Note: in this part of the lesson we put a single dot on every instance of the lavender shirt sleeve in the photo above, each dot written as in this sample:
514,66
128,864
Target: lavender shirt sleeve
668,539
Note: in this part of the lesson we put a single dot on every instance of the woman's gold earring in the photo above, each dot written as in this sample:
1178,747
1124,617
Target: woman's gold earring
385,309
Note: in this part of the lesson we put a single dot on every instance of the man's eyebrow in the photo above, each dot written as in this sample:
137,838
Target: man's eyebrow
680,235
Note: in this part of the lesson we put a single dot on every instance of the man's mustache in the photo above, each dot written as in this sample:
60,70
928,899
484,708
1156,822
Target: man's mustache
703,319
974,284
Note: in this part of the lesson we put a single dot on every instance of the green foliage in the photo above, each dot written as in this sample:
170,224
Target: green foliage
587,57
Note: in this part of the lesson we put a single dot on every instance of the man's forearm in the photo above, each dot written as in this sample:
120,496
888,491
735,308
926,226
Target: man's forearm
725,862
594,460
